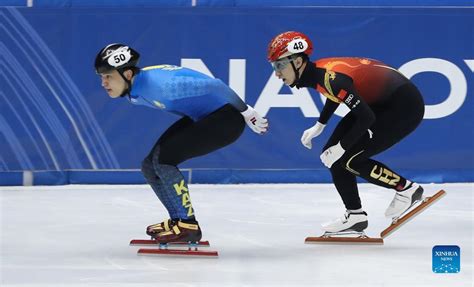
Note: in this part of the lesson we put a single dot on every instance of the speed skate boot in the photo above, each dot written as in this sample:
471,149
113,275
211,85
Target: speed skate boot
403,200
154,229
181,232
351,222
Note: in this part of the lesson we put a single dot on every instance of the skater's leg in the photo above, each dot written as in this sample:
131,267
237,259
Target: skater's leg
147,167
355,219
152,177
213,132
406,109
346,185
344,181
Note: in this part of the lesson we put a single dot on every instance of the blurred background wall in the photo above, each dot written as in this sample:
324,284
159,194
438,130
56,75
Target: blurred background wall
58,126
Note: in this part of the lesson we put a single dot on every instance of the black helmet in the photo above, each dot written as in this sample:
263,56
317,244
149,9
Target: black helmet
116,57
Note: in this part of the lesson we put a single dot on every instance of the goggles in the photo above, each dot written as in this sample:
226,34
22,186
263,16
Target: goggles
281,64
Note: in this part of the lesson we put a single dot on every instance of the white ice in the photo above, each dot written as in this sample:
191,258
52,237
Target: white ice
78,236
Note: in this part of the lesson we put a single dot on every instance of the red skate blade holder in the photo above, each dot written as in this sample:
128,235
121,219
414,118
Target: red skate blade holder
152,242
341,239
178,252
178,248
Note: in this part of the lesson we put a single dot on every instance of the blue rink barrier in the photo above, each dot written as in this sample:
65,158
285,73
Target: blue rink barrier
57,122
212,176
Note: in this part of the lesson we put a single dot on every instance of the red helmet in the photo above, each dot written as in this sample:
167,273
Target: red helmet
289,43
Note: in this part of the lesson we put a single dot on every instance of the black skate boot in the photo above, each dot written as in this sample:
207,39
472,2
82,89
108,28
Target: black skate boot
154,229
180,232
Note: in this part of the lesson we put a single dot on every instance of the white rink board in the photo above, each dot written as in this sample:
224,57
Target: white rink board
79,235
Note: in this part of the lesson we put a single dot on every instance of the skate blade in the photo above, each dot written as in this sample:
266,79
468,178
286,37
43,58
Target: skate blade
425,203
178,252
343,238
151,242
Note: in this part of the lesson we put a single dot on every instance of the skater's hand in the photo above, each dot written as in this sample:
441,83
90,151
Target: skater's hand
332,154
311,133
256,122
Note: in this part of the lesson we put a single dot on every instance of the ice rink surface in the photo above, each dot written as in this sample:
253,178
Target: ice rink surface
79,235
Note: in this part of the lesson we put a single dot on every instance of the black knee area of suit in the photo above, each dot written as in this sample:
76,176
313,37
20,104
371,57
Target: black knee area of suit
148,170
349,162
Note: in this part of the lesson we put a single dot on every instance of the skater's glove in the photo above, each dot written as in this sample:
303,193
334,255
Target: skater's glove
256,122
332,154
311,133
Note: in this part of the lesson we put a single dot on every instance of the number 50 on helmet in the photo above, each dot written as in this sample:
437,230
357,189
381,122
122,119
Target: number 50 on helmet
116,57
287,44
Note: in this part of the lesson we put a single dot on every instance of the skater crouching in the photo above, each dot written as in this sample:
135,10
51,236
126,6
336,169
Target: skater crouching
384,106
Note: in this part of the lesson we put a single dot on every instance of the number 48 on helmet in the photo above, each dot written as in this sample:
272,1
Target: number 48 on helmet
288,44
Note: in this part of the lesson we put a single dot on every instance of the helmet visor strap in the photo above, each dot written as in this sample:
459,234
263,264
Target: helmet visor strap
127,90
297,75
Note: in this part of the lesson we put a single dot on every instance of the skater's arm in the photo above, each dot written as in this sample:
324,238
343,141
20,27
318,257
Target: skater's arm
230,95
364,116
237,102
253,119
328,110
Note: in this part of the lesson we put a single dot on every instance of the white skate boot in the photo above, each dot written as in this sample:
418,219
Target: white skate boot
403,200
351,222
348,229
